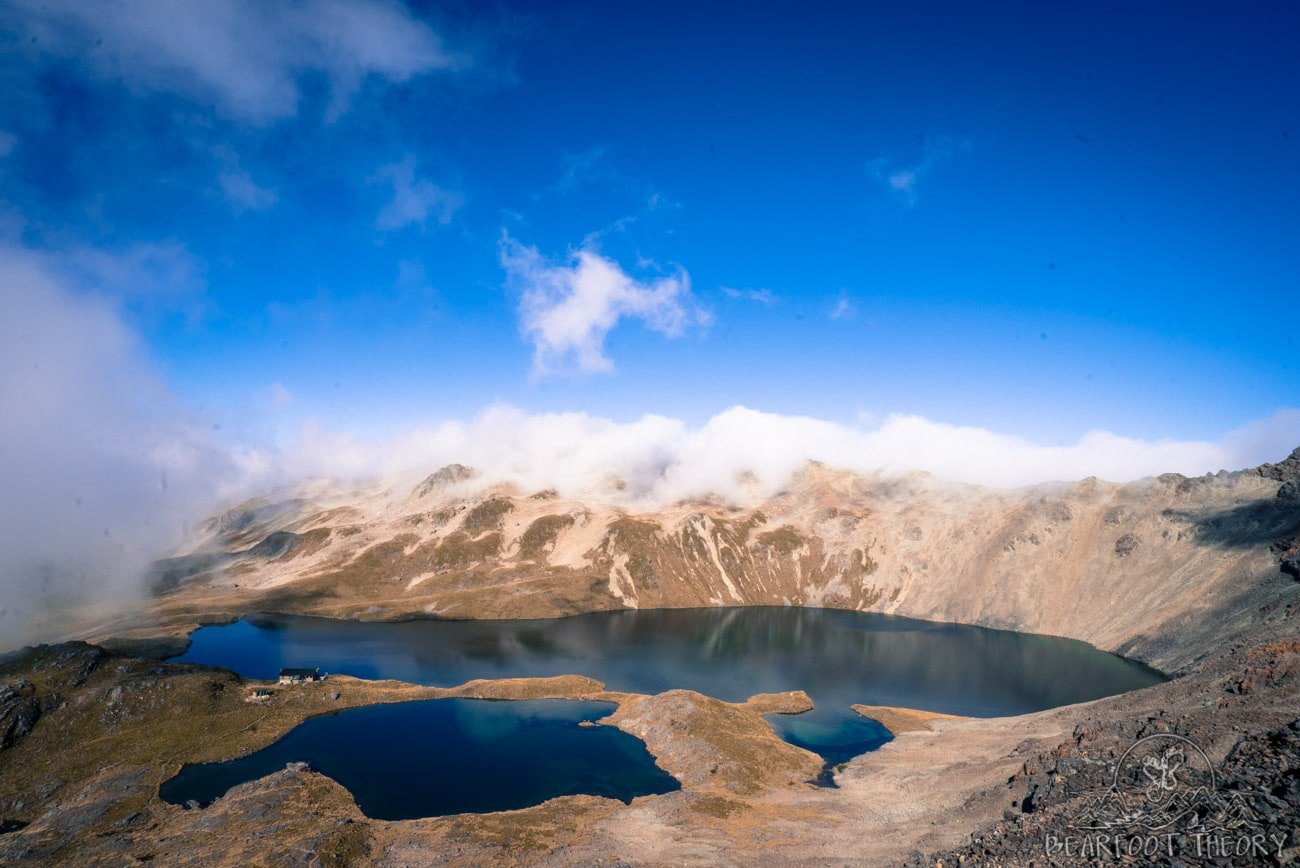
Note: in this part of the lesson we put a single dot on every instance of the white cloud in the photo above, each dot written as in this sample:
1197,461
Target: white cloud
764,297
415,199
100,466
904,179
244,56
663,460
244,193
567,310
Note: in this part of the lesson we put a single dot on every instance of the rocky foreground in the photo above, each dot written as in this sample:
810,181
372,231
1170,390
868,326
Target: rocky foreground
1196,576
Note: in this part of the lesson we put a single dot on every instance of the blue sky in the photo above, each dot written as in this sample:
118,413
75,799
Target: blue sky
1038,219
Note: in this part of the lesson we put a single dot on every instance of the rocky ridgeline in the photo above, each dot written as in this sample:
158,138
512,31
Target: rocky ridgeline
1286,470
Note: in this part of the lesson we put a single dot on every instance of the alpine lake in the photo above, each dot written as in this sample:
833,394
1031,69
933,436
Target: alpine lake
447,756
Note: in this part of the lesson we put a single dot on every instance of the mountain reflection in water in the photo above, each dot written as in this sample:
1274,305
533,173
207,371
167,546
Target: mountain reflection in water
840,658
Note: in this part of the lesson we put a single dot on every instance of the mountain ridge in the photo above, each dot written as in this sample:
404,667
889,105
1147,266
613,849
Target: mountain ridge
1155,569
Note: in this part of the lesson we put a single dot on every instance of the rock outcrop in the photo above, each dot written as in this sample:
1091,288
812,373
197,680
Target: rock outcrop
19,711
442,479
1286,470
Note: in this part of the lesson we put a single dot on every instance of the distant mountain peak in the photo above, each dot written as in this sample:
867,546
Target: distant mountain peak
442,479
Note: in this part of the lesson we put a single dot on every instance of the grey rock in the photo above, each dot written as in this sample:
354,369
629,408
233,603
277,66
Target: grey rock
19,710
1286,470
443,478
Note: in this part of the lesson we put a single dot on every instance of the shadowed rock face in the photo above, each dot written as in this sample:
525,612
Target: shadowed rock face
1288,552
1288,498
19,711
1131,568
1286,470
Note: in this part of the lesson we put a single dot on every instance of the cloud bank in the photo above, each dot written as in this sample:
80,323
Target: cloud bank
99,465
742,453
567,310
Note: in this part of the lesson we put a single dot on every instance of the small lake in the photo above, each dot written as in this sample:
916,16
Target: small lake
449,756
840,658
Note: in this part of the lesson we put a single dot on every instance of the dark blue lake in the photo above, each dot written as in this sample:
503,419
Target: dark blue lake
449,756
839,658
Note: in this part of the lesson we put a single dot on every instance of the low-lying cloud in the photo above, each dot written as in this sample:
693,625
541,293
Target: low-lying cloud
741,453
100,467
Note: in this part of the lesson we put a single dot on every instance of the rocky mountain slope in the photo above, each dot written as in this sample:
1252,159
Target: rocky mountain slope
1155,569
1194,575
